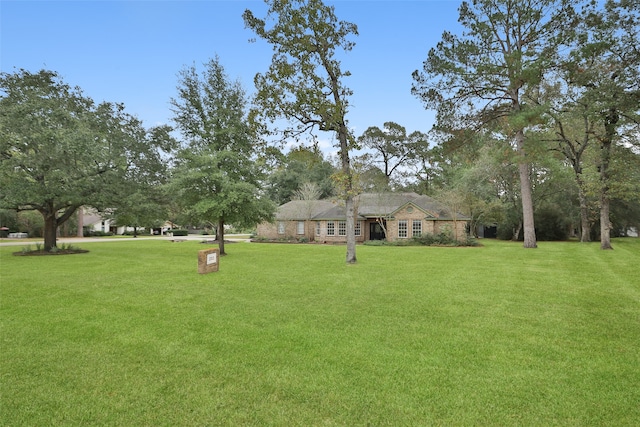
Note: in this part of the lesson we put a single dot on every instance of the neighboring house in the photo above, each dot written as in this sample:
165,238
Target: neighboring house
92,221
389,216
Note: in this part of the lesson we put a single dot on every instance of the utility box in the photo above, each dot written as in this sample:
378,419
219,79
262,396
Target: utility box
208,260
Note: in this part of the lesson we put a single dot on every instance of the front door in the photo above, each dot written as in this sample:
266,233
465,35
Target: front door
376,232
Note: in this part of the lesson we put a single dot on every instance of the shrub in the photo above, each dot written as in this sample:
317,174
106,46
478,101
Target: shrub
180,232
551,224
443,239
97,233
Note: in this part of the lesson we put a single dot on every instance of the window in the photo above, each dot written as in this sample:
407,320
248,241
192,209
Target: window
280,227
358,228
300,229
331,228
317,228
402,228
416,228
342,228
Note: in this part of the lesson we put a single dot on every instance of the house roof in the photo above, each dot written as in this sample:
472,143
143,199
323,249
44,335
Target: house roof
303,209
89,219
369,205
382,204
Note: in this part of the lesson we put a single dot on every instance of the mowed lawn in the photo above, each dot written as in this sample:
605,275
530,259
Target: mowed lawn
289,335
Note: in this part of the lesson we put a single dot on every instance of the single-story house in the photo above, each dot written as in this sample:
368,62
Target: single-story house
93,221
379,216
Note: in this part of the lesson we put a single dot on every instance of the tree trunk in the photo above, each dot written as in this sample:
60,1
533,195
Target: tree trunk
52,222
585,227
220,236
343,136
351,230
525,192
605,223
575,158
516,232
80,232
610,122
50,230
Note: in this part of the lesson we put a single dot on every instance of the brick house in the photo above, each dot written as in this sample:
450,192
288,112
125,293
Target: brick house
389,216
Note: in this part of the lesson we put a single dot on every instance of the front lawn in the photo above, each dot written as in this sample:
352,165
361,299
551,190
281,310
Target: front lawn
130,334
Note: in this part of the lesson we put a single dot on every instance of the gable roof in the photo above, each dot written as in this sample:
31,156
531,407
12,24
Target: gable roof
369,205
382,204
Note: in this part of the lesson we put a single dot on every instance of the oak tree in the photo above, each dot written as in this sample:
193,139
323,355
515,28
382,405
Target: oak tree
59,150
217,178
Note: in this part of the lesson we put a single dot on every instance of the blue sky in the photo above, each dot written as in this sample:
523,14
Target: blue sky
131,51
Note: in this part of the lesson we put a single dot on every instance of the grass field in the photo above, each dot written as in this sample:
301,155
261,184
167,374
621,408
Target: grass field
289,335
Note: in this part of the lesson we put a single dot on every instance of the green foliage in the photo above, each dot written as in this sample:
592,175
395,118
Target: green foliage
393,149
374,242
30,222
65,248
177,232
486,77
444,238
301,165
61,151
305,83
97,233
305,80
552,224
217,178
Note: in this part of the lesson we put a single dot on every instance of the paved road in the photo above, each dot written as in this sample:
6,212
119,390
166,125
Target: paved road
79,240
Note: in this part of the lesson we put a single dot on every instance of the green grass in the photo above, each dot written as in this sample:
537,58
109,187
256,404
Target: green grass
289,335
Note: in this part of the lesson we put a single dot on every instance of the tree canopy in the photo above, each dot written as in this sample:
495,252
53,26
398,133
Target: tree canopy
217,178
305,82
60,150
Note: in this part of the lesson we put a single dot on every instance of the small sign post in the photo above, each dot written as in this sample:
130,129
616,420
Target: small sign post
208,260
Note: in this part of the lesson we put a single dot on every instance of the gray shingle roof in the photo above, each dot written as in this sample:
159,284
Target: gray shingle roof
368,205
303,209
382,204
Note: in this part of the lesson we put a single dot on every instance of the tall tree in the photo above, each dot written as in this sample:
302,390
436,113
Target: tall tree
392,147
488,72
217,178
300,166
59,150
144,201
305,82
605,65
573,132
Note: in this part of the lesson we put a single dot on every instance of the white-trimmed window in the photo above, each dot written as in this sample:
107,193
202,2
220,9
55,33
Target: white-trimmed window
402,228
416,228
358,229
300,227
318,230
331,228
342,228
280,227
